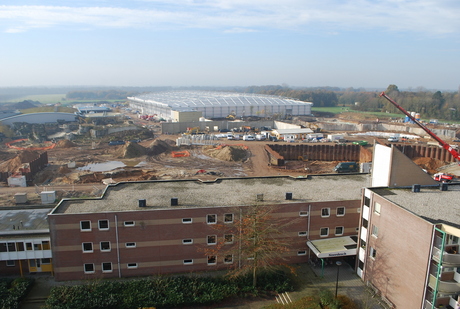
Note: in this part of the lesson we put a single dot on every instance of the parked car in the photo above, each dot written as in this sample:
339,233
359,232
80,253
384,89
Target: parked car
248,138
346,167
361,143
393,139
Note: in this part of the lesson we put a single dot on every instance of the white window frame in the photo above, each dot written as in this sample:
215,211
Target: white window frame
340,234
130,246
328,212
83,247
225,218
211,216
132,265
187,241
375,231
89,271
187,220
85,230
303,213
129,223
226,261
320,235
228,242
302,252
211,243
337,211
372,253
377,208
302,233
188,262
105,250
103,228
10,263
215,259
109,270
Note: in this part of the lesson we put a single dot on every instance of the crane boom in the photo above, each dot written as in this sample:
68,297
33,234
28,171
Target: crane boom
443,144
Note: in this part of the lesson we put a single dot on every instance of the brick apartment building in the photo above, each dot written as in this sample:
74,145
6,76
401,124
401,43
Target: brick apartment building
24,241
160,227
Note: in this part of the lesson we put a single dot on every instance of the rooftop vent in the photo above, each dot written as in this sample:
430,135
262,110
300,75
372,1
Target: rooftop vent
289,195
259,197
415,188
174,201
142,203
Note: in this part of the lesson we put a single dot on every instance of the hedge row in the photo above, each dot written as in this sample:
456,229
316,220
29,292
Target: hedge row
160,292
13,291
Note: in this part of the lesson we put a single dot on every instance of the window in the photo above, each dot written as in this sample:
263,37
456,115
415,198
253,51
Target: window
188,262
303,213
377,208
303,252
325,212
324,232
37,246
375,231
85,225
46,245
46,261
367,201
228,259
228,218
363,244
10,263
340,211
103,225
187,241
3,247
88,268
228,238
302,234
130,245
105,246
338,230
29,246
87,247
11,247
212,239
365,223
131,265
20,246
372,253
211,219
212,260
129,223
107,267
187,220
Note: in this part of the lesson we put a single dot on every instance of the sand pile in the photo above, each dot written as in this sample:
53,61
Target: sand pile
429,164
161,146
132,150
65,143
227,153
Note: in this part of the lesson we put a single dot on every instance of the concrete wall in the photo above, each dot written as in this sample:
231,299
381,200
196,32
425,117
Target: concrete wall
39,118
213,126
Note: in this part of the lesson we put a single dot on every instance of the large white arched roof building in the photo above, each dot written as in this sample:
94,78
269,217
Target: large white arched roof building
217,104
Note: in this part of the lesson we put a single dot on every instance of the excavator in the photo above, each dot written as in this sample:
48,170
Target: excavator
441,177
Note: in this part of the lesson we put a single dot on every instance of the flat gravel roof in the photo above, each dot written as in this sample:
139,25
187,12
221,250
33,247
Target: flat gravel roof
222,192
430,203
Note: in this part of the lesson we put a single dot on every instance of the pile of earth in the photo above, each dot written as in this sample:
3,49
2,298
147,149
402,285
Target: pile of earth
14,164
161,146
131,150
429,164
227,153
65,143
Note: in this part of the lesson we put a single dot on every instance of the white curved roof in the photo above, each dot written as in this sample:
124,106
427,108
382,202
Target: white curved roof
186,100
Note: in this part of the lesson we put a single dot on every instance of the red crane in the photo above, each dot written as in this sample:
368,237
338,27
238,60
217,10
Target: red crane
443,144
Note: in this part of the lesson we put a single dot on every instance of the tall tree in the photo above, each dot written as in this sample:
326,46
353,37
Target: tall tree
255,238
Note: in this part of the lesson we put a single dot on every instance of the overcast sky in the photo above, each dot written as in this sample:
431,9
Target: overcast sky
344,43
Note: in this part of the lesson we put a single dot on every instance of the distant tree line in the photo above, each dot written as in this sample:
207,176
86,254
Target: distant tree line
430,104
99,95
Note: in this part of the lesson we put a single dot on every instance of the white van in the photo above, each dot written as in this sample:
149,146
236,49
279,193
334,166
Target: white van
248,138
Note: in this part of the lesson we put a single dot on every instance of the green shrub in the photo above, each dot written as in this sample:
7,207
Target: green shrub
13,291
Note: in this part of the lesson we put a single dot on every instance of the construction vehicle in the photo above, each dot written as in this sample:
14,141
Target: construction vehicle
443,177
442,143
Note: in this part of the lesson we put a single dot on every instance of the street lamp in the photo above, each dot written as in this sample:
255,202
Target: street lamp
338,263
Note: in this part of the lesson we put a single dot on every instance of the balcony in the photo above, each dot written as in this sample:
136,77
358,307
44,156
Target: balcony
447,284
450,256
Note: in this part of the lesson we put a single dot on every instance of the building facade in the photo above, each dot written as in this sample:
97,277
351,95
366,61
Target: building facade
160,227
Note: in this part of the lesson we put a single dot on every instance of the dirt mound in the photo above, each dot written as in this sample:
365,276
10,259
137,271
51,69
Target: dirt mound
429,164
227,153
132,150
65,143
17,162
160,146
64,169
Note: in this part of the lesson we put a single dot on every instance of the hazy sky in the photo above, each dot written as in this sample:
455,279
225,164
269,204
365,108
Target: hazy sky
344,43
